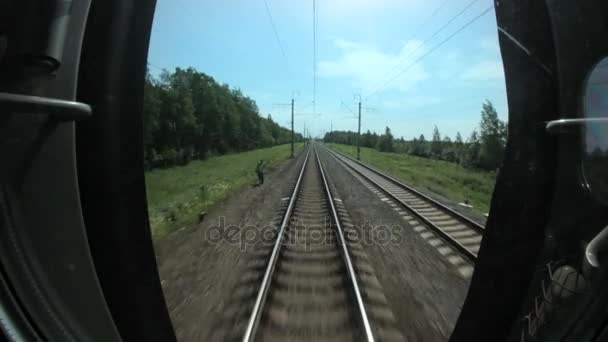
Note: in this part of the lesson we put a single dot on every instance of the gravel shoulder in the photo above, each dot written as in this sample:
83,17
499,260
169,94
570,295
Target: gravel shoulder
425,291
202,272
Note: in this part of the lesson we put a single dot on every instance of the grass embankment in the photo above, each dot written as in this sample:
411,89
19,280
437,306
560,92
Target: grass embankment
177,195
449,180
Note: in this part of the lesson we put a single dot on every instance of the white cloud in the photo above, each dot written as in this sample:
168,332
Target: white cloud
369,67
484,71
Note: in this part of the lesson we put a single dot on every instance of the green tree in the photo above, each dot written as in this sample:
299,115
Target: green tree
458,147
367,139
504,133
385,143
187,114
180,114
470,154
436,145
419,147
448,150
492,136
151,124
458,140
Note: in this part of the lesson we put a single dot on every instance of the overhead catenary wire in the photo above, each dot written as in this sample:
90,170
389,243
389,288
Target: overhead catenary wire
347,107
314,56
415,33
431,50
274,29
428,19
308,105
277,37
428,39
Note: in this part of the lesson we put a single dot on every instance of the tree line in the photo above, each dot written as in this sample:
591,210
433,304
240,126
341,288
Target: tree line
189,115
483,149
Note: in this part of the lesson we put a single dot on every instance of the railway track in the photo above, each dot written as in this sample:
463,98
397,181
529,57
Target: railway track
310,290
458,230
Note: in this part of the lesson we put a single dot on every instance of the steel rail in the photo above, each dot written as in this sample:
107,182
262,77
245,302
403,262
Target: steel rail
464,250
257,311
347,259
480,228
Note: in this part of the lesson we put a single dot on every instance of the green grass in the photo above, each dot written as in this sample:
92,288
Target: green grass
449,180
177,195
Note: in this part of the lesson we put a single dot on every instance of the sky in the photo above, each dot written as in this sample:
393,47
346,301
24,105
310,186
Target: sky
383,53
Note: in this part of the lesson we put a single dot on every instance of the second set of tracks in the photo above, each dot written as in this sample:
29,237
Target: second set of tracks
458,230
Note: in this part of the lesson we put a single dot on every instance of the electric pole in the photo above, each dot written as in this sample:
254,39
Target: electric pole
292,134
359,134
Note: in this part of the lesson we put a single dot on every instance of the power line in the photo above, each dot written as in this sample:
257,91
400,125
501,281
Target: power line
433,35
428,19
467,24
449,22
347,107
424,23
276,35
274,29
314,56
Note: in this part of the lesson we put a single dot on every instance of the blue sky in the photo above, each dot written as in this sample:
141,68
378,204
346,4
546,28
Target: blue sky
361,44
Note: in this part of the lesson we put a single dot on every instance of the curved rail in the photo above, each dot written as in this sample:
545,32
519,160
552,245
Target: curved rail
467,251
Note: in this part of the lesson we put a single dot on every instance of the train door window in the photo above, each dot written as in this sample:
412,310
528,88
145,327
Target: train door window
321,168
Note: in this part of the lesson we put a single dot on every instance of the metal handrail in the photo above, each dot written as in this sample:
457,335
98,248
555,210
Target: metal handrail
570,125
57,109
